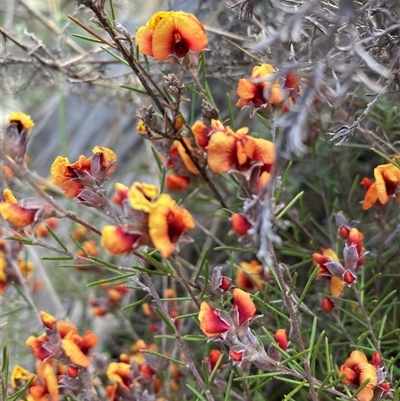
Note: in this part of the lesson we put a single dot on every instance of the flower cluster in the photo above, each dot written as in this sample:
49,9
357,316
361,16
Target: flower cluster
229,151
387,180
338,274
264,88
155,220
171,35
357,371
182,166
62,359
138,373
233,330
252,276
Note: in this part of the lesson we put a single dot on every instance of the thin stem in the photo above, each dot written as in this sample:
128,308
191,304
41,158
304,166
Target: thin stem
183,280
22,282
178,337
21,170
366,317
294,321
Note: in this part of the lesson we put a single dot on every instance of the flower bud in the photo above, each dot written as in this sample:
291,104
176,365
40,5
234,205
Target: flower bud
17,135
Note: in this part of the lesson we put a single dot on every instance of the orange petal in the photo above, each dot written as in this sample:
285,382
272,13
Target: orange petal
351,375
336,286
221,152
121,373
89,341
240,224
263,70
281,338
214,356
48,320
144,40
201,134
185,157
274,93
118,240
66,329
241,153
46,372
263,180
264,151
244,305
355,358
121,193
367,371
177,182
246,90
16,215
371,197
74,353
210,322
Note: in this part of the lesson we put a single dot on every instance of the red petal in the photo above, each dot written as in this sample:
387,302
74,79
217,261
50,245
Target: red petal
244,305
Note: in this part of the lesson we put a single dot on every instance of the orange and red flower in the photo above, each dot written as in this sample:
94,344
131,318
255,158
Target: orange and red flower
62,338
167,222
17,135
251,276
171,33
214,358
387,179
157,220
262,90
27,211
211,322
281,338
120,239
228,150
74,177
357,371
182,165
240,224
259,90
327,268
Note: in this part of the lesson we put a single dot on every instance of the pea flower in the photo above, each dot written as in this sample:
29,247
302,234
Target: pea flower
260,90
173,33
156,220
387,179
236,151
357,371
233,329
182,165
252,276
61,340
73,178
212,359
25,212
17,135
